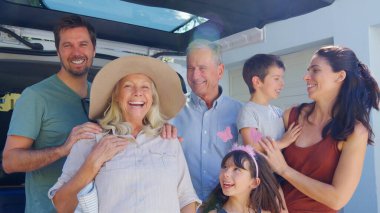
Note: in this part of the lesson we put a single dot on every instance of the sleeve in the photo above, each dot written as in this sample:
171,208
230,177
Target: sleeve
247,118
186,192
74,161
28,115
278,111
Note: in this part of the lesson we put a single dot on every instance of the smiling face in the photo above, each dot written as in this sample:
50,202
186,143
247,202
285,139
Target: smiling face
204,73
135,97
322,82
273,83
236,181
76,51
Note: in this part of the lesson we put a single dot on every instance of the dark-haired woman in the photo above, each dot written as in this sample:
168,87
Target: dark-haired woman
323,167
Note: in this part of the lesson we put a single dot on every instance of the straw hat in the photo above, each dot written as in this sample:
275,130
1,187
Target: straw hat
165,79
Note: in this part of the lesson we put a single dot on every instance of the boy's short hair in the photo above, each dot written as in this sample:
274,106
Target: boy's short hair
258,65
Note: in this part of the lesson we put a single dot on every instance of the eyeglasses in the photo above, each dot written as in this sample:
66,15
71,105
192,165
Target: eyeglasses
85,106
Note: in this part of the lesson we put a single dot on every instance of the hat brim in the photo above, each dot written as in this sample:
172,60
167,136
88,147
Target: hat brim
164,77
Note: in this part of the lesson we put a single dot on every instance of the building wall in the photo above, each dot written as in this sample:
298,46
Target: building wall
351,23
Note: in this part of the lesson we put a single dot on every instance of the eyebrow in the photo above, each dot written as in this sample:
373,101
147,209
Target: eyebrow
312,66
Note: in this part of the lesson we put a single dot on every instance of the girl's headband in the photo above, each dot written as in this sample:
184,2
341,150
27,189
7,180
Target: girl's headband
249,150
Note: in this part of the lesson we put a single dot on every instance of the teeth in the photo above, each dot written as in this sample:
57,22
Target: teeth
78,61
136,102
199,81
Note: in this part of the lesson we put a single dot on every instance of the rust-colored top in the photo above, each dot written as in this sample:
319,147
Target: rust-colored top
317,161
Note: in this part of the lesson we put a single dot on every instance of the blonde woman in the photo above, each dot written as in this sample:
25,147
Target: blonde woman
132,167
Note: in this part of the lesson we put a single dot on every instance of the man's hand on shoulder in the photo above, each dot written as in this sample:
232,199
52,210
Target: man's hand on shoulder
83,131
169,132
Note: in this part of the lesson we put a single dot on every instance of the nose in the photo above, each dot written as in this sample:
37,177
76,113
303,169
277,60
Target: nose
194,73
137,91
226,173
306,76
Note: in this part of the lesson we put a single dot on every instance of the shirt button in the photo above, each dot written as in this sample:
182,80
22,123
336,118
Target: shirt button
204,171
205,131
204,151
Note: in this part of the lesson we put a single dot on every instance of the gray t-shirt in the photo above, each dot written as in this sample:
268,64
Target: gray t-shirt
267,119
45,112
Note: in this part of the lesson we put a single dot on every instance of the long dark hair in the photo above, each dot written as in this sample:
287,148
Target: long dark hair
357,96
265,196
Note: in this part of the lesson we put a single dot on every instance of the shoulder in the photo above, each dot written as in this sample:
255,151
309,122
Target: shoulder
287,113
39,89
232,102
358,139
360,132
291,111
44,84
277,110
249,108
84,144
168,145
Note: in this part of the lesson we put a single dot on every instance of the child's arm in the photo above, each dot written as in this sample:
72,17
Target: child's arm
247,134
292,131
189,208
290,135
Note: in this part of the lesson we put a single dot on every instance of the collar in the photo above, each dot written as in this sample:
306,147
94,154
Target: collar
199,102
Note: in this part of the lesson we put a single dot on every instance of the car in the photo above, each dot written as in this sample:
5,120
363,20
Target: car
160,29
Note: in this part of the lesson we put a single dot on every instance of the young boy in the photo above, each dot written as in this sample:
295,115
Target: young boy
263,74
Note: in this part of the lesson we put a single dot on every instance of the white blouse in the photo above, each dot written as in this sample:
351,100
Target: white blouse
151,175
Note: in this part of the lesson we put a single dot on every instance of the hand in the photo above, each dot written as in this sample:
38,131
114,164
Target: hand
107,148
291,135
169,132
83,131
273,155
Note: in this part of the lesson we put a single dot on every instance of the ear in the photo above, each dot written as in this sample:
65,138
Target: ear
220,71
256,82
341,75
255,182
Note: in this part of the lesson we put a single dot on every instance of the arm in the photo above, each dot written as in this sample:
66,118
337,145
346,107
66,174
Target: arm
346,176
189,208
187,197
18,156
246,134
65,199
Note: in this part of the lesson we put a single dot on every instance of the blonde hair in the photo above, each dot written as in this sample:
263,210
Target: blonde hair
113,121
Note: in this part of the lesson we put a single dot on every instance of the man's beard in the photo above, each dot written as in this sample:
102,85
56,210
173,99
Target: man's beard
76,73
79,73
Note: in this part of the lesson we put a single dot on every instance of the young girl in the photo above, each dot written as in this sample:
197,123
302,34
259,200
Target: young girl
246,185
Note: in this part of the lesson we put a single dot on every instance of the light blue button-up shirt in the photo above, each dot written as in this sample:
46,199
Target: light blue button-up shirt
206,138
